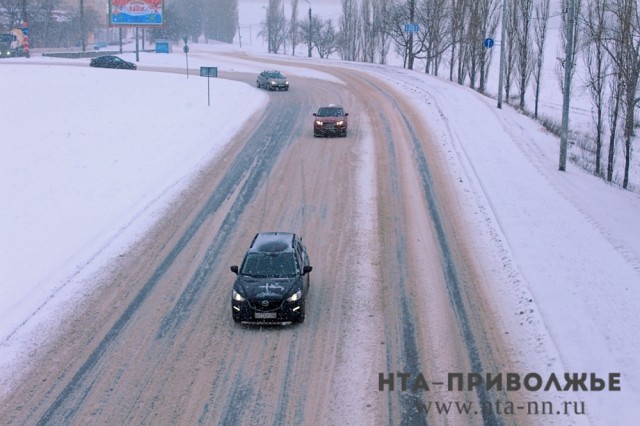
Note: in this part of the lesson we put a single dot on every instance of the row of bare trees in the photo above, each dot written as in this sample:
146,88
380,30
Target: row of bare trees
449,36
447,32
610,49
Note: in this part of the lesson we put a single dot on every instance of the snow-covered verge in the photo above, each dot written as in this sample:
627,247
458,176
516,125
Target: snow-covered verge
89,160
566,246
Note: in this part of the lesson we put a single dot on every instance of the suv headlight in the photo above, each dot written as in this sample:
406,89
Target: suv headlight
296,296
237,296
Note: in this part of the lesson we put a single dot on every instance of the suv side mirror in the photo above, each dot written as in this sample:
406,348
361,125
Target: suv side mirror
314,114
346,113
234,269
306,269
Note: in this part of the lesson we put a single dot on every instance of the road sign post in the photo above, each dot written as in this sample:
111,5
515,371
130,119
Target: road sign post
208,72
185,48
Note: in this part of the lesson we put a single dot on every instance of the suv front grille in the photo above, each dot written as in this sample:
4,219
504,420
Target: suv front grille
265,304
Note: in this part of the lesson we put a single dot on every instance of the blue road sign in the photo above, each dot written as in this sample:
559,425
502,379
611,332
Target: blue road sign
411,28
488,43
208,71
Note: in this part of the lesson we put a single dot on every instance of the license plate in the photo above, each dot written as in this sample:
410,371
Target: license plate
329,126
265,315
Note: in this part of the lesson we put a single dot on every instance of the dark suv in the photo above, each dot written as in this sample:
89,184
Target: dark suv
273,280
272,80
330,120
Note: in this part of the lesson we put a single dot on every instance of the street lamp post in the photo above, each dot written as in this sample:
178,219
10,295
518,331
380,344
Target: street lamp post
82,27
566,95
502,52
309,40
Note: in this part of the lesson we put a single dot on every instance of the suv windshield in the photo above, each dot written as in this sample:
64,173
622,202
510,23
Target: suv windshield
330,112
274,265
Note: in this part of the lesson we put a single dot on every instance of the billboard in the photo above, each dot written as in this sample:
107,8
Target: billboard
136,12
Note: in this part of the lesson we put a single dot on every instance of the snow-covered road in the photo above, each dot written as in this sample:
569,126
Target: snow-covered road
562,249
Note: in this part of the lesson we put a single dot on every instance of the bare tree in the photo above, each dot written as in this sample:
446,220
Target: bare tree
523,44
368,36
12,12
394,27
349,37
326,38
44,29
274,28
510,50
380,10
596,64
409,44
489,12
432,15
279,25
541,18
311,31
626,39
218,19
483,21
459,19
224,27
294,35
473,40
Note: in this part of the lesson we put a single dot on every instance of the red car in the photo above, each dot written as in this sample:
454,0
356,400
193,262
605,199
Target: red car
330,120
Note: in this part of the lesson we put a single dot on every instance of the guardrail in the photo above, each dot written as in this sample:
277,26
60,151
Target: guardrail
92,54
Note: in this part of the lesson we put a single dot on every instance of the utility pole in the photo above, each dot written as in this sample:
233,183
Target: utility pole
566,95
502,51
24,11
309,40
82,27
185,48
410,56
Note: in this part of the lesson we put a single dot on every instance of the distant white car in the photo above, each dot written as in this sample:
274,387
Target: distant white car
272,80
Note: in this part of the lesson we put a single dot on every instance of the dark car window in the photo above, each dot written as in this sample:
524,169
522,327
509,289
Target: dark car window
300,253
275,75
330,112
262,265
